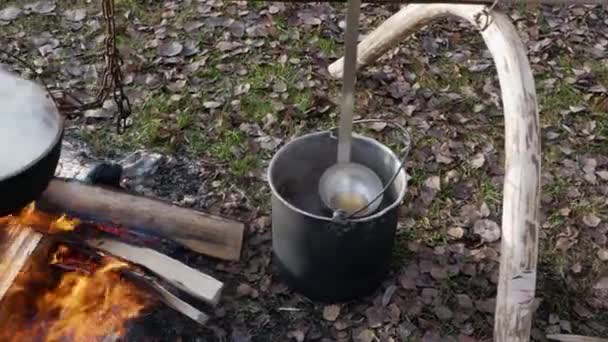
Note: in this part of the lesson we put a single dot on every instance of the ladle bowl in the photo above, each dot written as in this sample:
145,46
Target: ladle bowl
350,189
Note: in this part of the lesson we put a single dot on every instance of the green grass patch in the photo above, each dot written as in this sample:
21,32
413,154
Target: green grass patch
452,76
256,106
327,46
558,99
256,103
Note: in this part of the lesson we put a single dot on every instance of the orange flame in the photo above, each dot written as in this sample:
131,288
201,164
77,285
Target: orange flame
80,306
40,221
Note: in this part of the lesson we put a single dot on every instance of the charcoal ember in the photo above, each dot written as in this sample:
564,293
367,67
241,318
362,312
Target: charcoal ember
108,174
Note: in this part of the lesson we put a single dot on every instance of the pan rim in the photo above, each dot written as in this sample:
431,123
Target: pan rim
35,161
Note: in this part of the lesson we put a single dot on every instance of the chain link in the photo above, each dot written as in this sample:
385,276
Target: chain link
111,80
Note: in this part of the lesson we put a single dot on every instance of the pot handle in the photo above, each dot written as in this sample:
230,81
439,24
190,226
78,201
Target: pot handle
407,141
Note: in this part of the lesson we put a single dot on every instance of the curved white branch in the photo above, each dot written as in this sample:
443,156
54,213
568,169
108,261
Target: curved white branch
519,250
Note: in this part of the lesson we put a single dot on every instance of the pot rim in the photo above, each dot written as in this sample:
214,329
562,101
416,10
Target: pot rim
378,214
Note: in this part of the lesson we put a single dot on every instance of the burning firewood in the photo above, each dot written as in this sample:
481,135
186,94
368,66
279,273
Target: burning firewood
192,281
43,305
99,256
185,278
66,260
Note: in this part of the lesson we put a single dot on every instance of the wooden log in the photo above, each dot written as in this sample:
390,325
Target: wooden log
16,245
521,191
575,338
183,277
201,232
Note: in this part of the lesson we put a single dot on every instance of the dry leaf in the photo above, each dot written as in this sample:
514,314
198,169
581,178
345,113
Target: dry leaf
170,49
488,230
590,220
75,14
331,312
365,336
478,160
602,254
455,232
10,13
212,104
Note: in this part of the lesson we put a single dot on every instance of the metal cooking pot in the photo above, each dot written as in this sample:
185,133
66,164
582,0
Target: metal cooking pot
31,131
314,254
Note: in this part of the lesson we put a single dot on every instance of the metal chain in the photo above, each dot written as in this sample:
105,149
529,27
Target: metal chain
111,80
487,13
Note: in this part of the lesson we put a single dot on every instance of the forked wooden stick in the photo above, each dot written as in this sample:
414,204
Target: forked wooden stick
520,222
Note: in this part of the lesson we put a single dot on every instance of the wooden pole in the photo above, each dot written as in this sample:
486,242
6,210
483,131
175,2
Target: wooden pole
521,191
201,232
476,2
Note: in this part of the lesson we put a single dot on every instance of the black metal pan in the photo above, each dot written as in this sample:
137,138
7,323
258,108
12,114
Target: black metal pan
31,132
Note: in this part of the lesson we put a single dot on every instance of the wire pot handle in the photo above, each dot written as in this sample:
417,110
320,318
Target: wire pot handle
407,141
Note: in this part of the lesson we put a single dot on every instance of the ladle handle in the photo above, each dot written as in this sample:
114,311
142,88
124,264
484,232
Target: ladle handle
348,81
407,142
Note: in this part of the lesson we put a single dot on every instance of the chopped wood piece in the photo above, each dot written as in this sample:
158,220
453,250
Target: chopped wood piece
17,244
184,277
169,298
201,232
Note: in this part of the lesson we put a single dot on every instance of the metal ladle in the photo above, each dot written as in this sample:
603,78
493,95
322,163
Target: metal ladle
347,187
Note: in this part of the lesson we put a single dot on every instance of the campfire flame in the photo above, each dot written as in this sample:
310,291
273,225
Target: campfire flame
92,301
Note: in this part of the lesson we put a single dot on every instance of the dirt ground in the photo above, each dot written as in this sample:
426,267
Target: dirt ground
218,86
